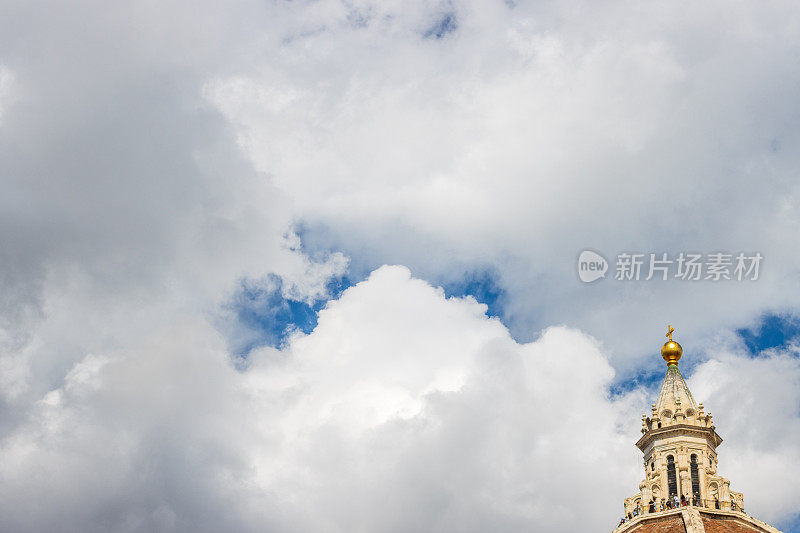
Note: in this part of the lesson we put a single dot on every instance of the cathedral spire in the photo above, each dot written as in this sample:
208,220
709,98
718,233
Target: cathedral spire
681,489
675,400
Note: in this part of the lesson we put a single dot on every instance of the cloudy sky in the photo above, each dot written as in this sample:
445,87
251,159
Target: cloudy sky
311,265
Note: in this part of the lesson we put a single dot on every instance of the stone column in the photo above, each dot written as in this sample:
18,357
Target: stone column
685,487
647,494
701,471
725,493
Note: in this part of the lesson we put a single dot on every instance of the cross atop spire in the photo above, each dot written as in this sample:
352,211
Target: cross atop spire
671,351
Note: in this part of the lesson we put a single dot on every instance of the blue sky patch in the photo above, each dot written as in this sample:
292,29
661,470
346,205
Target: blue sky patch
791,526
482,283
484,286
265,317
335,287
649,378
774,331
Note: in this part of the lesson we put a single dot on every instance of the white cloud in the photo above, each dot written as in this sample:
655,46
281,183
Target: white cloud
125,200
403,410
155,156
754,403
532,133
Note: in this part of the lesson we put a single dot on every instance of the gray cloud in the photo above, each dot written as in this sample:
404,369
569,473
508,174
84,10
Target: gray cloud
534,132
152,156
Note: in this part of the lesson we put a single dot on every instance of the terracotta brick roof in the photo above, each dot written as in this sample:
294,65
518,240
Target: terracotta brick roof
719,524
667,524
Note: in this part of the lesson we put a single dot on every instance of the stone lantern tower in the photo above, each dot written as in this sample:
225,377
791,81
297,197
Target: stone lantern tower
681,484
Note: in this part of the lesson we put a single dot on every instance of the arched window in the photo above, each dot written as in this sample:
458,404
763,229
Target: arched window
672,478
695,476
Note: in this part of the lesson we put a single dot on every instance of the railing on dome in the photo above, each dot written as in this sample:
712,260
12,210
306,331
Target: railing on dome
663,506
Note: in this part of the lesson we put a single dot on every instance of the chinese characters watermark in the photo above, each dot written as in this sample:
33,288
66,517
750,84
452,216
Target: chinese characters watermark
685,266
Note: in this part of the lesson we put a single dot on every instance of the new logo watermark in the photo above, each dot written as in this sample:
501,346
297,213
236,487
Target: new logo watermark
591,266
685,266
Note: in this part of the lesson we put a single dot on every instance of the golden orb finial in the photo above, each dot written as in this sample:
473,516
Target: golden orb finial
671,351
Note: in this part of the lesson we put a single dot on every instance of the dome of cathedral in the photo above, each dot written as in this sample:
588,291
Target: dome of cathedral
694,520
